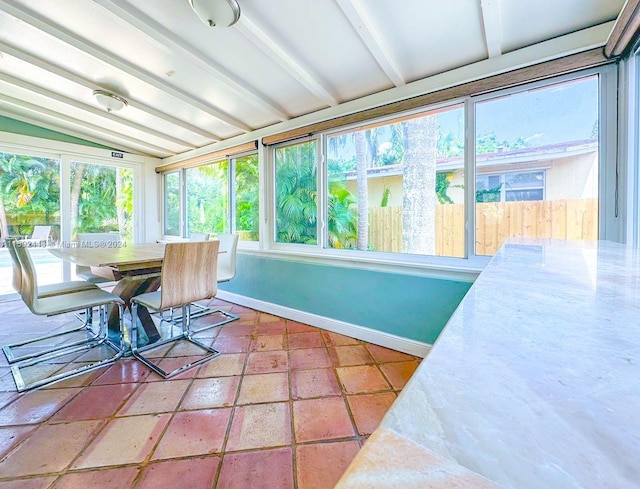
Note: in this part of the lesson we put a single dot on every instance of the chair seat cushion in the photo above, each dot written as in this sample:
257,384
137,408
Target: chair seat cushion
64,288
76,301
151,300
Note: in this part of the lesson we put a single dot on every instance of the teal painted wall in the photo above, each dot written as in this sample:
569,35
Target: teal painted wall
17,127
405,305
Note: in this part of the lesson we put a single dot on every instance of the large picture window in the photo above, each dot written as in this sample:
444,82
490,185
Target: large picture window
544,142
386,190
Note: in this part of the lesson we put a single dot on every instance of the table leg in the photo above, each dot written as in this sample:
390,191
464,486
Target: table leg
129,287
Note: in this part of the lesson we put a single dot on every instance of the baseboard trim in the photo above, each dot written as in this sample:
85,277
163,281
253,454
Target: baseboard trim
388,340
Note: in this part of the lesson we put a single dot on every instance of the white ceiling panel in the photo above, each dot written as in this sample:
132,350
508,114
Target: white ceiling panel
189,85
526,23
430,36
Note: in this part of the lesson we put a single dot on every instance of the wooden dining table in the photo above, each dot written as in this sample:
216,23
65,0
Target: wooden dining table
135,269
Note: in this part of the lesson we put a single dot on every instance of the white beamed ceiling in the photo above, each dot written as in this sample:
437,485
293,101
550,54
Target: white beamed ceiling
189,85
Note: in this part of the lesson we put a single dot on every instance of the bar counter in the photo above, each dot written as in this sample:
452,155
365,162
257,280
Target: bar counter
534,382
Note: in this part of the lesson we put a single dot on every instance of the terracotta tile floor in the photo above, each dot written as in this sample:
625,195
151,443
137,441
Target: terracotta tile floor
285,405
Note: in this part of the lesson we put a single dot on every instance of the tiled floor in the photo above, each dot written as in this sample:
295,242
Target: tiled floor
285,405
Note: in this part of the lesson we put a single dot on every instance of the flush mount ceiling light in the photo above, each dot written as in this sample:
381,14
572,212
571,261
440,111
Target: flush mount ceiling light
109,100
216,13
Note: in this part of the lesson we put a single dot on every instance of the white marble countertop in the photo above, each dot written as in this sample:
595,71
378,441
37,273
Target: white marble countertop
534,383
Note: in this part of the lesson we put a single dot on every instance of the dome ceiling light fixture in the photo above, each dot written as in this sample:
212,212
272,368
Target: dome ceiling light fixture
216,13
109,100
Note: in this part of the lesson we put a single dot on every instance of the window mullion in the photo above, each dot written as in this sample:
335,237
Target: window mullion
470,178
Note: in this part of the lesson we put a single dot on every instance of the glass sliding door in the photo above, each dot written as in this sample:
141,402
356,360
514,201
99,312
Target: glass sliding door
101,200
172,204
30,202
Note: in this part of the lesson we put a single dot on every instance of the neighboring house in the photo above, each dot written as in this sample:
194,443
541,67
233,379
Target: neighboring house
566,170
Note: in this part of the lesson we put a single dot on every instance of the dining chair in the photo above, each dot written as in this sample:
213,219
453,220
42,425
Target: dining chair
199,237
226,271
60,304
43,291
188,274
95,240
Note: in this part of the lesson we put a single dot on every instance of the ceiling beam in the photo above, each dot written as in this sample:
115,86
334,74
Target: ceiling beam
35,20
30,87
135,149
160,34
491,27
91,85
273,50
361,22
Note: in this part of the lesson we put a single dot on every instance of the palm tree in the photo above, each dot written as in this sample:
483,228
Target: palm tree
29,190
296,194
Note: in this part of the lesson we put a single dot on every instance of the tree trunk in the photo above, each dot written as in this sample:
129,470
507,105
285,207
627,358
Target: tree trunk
418,186
363,191
76,186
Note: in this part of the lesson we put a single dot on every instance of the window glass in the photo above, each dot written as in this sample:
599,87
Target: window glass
172,204
537,164
296,193
399,186
246,218
29,194
30,197
101,200
207,189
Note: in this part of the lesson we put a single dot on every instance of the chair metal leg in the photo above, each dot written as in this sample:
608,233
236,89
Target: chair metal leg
229,318
76,348
12,357
186,335
207,311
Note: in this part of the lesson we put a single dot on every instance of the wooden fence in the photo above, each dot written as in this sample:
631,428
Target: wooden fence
495,221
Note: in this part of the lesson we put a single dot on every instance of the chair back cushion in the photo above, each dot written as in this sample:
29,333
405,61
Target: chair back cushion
189,272
199,237
29,285
17,269
227,260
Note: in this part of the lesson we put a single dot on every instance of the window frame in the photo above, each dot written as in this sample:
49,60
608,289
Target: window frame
231,194
609,226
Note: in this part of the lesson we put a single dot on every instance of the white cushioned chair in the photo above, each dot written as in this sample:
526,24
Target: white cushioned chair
60,304
43,291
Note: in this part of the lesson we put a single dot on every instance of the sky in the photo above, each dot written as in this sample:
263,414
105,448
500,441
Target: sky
551,115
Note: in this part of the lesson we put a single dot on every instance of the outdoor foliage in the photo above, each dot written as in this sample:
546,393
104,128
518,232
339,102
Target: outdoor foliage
247,194
208,198
296,194
105,201
29,193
